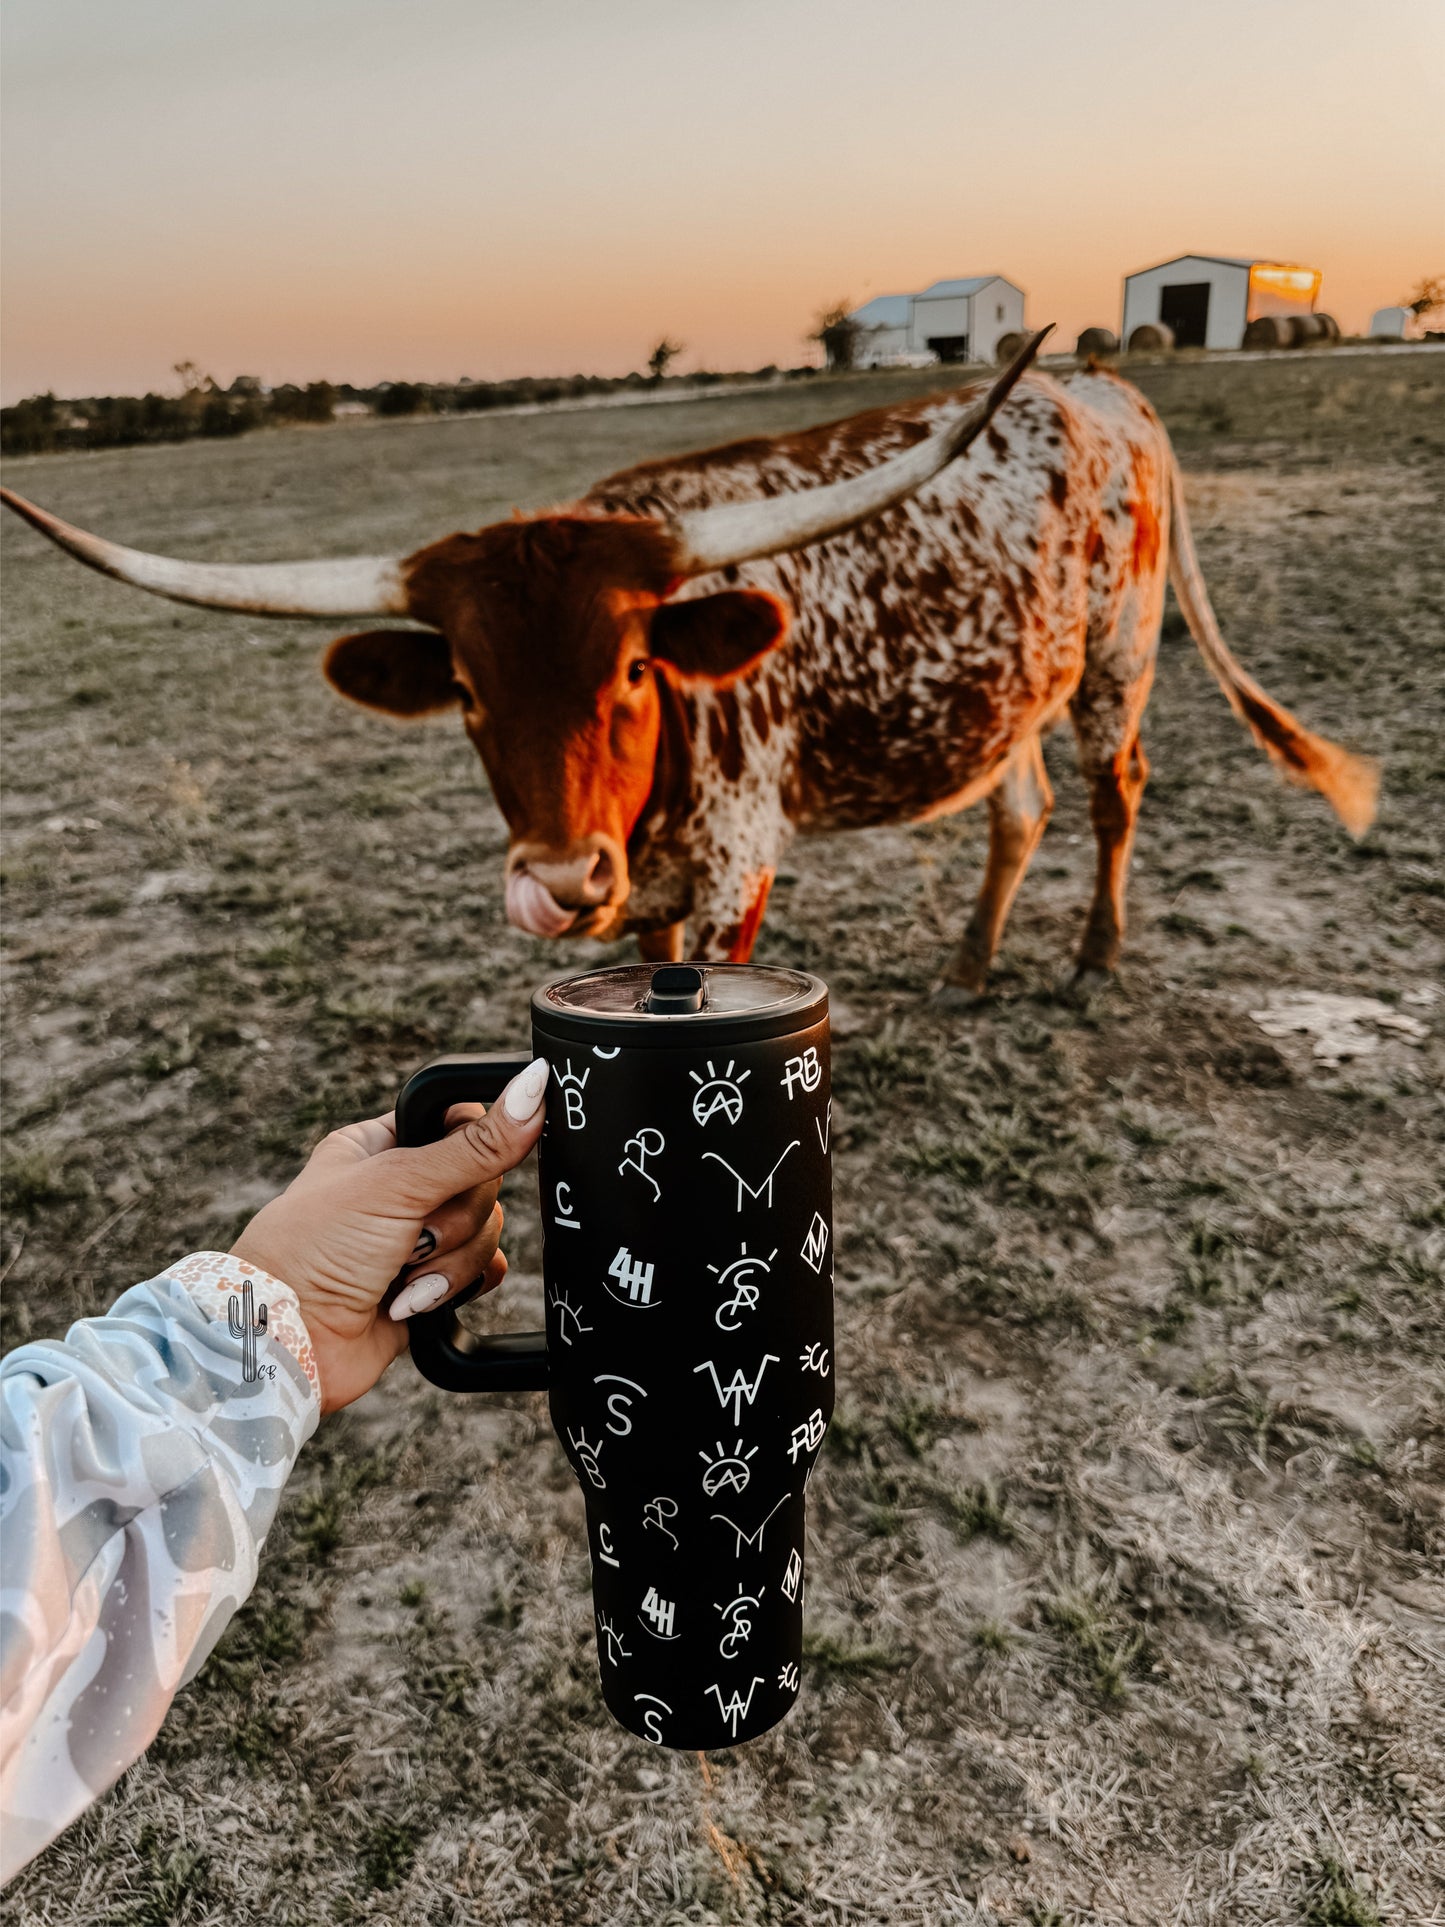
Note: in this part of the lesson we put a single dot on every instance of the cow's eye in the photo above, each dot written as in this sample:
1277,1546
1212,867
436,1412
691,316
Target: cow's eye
637,669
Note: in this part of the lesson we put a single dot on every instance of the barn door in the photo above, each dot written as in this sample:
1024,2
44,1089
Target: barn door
1185,309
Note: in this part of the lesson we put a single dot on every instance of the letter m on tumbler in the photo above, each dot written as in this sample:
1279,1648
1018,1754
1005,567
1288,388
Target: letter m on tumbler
245,1321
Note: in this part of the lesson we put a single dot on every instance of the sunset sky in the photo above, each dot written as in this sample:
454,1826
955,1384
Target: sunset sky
429,188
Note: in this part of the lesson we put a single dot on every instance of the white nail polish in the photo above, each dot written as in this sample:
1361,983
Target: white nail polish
420,1295
523,1095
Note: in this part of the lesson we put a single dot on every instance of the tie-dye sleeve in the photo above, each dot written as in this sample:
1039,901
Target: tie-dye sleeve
142,1458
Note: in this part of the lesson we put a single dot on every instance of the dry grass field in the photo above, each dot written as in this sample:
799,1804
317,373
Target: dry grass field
1126,1596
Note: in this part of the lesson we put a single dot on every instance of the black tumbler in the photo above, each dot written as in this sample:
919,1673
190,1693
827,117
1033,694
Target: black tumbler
686,1187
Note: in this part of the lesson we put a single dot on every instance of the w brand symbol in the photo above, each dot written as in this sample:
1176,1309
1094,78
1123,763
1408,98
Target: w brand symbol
737,1388
735,1710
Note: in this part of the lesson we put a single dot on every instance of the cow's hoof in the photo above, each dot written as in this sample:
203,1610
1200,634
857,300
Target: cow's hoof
1086,985
957,999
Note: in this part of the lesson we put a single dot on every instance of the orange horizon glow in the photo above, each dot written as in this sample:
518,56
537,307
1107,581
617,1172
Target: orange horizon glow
368,189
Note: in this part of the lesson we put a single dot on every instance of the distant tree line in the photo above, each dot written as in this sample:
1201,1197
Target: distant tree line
46,423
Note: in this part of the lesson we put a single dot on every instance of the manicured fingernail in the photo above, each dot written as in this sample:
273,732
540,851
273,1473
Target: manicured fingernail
425,1245
523,1096
420,1295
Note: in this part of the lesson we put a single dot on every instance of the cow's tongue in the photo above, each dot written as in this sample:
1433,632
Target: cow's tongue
532,907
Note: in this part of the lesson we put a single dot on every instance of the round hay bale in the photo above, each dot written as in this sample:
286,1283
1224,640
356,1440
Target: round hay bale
1007,346
1151,338
1304,328
1329,327
1096,341
1270,331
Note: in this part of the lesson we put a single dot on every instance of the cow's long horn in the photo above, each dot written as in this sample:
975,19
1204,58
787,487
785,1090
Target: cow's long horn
710,539
363,585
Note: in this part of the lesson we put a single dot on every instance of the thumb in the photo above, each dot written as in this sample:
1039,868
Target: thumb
483,1149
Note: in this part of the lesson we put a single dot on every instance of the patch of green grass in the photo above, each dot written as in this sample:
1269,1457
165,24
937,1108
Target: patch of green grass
1108,1653
829,1655
388,1853
990,1637
32,1180
1337,1902
174,1882
977,1512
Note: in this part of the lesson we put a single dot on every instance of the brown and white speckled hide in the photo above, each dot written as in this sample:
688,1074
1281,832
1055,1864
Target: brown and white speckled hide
927,647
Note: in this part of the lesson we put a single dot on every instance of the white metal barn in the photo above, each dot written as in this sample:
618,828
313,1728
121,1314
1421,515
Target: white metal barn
1208,300
958,320
883,331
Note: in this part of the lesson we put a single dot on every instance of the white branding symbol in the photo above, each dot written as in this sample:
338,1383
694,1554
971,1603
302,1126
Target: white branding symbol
788,1678
634,1279
815,1245
587,1455
647,1144
604,1546
737,1277
660,1612
737,1388
729,1469
657,1512
754,1539
607,1055
735,1709
808,1436
566,1311
572,1086
793,1574
753,1191
824,1127
615,1648
737,1622
718,1094
566,1210
652,1718
803,1072
619,1404
814,1358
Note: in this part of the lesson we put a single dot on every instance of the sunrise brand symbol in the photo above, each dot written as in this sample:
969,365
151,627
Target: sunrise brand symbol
569,1317
613,1647
718,1095
729,1470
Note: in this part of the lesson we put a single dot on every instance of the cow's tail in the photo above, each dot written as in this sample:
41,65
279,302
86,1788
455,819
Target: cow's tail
1349,784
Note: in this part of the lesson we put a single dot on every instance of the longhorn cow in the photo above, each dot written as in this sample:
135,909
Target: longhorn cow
874,621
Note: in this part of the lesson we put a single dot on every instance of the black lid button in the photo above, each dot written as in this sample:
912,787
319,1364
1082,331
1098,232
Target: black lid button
676,991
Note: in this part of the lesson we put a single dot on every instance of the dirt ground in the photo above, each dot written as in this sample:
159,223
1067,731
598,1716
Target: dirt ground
1125,1595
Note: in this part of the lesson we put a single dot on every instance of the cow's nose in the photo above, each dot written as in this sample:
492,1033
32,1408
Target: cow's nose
582,878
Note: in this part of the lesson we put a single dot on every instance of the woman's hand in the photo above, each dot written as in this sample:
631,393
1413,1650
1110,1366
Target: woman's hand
364,1210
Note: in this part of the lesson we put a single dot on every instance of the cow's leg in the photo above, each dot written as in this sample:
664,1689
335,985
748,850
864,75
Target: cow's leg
1018,812
722,939
1115,790
664,945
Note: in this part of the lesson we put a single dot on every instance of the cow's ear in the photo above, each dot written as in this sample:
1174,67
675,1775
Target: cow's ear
718,635
402,672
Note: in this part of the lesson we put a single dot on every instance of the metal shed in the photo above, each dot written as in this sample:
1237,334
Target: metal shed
1208,300
957,320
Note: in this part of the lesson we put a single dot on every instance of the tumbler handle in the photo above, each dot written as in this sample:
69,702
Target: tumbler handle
442,1348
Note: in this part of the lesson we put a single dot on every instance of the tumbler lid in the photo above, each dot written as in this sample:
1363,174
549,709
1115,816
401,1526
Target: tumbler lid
682,1003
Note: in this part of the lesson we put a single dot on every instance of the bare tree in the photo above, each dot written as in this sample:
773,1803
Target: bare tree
663,356
1428,296
838,332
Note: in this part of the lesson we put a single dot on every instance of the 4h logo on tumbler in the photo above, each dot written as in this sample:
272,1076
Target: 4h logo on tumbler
660,1612
803,1072
737,1388
572,1087
718,1096
737,1277
634,1279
